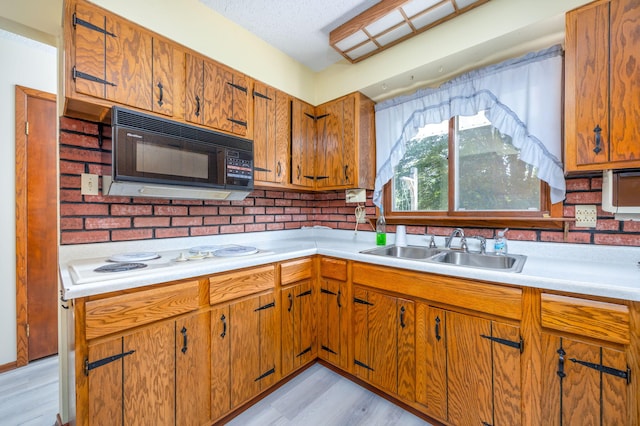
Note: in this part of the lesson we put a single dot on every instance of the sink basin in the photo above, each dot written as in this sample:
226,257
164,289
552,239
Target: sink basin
408,252
509,262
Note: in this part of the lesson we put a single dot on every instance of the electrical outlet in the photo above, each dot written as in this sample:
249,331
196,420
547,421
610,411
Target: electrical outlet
88,184
586,216
356,195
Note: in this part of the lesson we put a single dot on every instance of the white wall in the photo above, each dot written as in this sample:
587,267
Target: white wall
33,65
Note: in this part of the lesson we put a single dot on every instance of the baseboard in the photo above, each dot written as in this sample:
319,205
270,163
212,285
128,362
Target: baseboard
8,367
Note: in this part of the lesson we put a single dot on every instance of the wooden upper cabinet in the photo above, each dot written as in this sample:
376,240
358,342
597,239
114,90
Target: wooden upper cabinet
602,86
303,144
216,96
271,135
112,60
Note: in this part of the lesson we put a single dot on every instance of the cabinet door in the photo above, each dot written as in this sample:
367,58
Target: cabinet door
105,384
220,362
225,99
576,392
193,370
333,322
194,91
406,348
431,360
336,143
298,331
149,375
162,84
254,347
271,134
469,372
303,144
90,34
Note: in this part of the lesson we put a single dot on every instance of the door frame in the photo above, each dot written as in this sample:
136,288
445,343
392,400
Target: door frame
22,340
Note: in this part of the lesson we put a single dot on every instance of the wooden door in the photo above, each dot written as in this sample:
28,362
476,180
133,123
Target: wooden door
105,400
149,375
576,392
90,35
333,322
271,134
240,86
406,348
162,83
383,323
193,370
269,370
194,90
298,331
303,144
507,389
431,360
218,96
36,238
129,61
220,362
361,356
469,374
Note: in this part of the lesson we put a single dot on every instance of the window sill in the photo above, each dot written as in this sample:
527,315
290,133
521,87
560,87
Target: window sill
481,222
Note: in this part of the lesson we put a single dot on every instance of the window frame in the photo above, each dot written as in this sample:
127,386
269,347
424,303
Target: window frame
550,216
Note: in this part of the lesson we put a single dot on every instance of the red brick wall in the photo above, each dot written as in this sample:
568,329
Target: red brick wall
87,219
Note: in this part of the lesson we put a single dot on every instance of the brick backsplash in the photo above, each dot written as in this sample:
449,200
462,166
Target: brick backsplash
86,146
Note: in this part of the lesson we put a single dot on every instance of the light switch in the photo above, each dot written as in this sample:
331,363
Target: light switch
88,184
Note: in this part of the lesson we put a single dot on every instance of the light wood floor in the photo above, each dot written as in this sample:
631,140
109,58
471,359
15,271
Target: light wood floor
29,395
318,396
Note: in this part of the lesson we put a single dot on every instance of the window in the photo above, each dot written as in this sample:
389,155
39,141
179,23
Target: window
464,166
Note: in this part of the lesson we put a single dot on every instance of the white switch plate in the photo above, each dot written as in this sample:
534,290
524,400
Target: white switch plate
356,195
88,184
586,216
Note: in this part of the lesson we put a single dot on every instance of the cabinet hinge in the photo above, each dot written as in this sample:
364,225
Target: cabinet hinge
518,345
605,369
261,169
267,306
318,117
324,290
237,86
304,351
362,364
238,122
26,128
268,373
86,24
306,293
260,95
328,349
362,302
313,117
88,366
28,330
79,74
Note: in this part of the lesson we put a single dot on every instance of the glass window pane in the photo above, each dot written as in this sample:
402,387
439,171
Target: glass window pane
420,180
489,172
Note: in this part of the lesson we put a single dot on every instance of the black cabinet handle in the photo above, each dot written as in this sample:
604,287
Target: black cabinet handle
279,169
224,326
338,299
299,171
402,312
438,336
161,96
197,106
598,138
290,302
561,354
184,340
346,174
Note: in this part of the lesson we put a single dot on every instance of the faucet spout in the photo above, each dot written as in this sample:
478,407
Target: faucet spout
458,232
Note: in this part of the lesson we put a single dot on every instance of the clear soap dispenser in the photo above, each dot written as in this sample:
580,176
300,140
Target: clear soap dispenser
500,243
381,230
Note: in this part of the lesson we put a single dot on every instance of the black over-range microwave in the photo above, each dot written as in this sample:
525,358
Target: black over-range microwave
156,157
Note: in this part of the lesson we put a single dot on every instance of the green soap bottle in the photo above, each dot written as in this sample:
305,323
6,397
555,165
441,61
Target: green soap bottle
381,230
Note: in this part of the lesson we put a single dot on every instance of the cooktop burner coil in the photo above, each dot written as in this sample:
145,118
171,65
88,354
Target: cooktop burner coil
120,267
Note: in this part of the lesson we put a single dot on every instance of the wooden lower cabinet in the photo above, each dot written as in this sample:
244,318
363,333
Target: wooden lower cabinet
298,325
152,376
244,351
584,383
384,341
334,317
468,368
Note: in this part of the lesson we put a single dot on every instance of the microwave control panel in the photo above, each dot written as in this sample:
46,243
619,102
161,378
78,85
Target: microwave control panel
239,167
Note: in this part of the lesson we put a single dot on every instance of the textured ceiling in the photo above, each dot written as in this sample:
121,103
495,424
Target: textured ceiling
299,28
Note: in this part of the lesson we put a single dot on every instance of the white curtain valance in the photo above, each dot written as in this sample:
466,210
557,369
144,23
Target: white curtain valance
523,99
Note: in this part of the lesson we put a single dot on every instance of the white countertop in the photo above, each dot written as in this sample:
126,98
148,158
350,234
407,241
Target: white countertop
609,271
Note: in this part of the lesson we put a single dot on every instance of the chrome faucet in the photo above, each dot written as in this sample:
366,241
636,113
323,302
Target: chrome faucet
483,243
463,241
432,241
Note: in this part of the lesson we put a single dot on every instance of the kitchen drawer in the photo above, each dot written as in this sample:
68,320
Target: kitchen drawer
600,320
333,268
229,286
117,313
296,270
494,299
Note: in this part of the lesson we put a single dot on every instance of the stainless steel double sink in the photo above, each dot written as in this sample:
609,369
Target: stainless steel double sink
504,263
